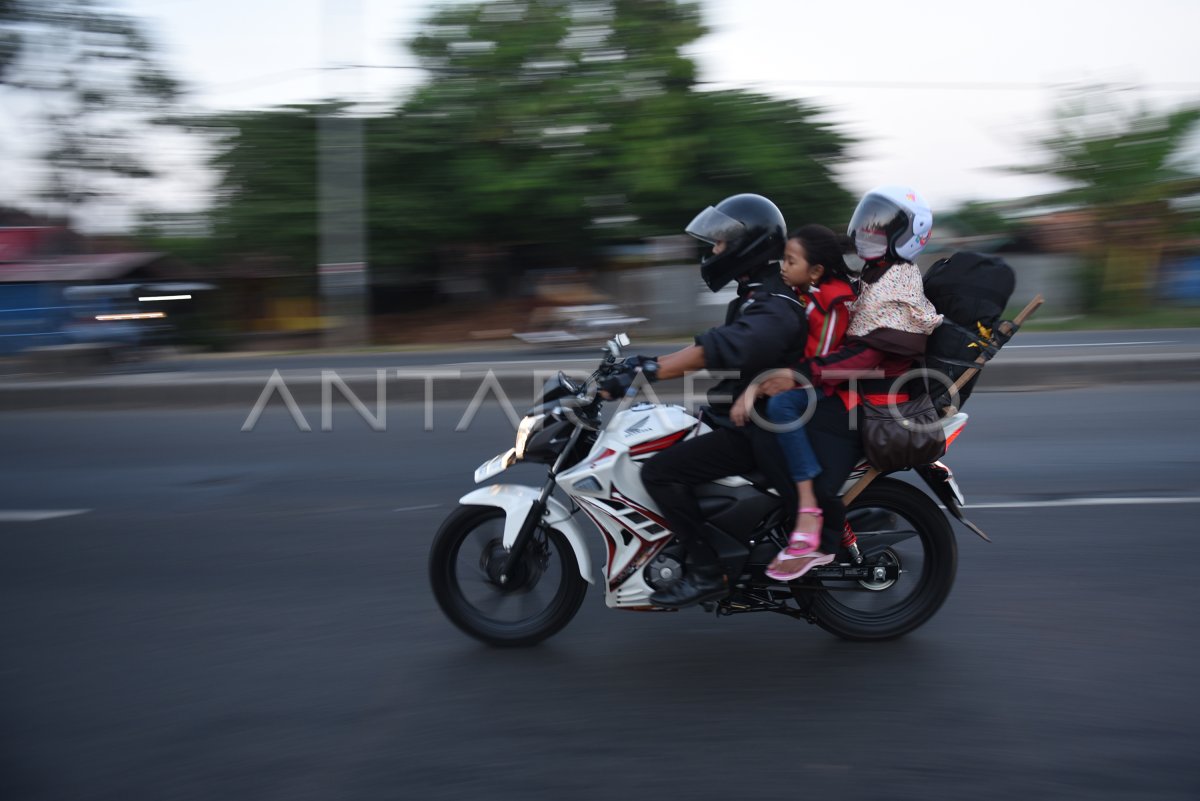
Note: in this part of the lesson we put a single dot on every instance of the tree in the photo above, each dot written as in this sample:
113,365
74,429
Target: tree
88,77
1126,168
506,132
575,124
548,130
266,200
778,148
978,218
11,15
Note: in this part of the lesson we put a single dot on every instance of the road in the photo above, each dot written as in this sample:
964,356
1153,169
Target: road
188,611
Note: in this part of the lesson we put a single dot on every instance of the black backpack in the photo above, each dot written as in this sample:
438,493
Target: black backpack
971,290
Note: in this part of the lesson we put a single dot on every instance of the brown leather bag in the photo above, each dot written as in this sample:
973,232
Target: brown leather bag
905,435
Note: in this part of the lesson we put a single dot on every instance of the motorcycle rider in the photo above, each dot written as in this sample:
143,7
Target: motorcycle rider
764,328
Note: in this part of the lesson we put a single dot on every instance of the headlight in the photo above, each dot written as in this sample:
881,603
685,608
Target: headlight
529,425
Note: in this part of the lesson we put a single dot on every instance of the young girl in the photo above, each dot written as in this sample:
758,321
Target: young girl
890,322
813,266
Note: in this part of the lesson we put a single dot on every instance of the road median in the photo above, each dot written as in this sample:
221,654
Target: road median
245,389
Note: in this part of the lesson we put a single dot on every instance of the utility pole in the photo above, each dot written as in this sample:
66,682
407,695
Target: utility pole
342,273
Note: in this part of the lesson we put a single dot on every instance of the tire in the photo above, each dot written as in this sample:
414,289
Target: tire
465,551
912,599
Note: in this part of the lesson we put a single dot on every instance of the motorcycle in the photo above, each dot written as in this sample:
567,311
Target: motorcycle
510,565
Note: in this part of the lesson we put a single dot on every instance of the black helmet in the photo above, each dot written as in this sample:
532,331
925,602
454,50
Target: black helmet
753,231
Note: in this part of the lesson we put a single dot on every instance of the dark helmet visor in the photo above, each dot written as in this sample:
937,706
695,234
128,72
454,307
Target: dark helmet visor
712,226
877,215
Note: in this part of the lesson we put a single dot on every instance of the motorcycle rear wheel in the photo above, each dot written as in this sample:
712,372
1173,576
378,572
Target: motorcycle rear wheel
928,560
464,569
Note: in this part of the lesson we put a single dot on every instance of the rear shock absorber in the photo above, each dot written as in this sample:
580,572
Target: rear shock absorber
850,543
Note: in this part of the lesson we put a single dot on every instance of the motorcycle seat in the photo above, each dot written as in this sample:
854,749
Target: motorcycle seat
756,478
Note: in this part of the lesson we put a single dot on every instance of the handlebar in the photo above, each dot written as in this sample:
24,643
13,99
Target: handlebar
589,400
612,356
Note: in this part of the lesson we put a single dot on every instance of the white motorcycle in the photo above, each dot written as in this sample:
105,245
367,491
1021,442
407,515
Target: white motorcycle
510,565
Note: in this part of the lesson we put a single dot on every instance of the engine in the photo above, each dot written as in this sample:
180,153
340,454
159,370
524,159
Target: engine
666,568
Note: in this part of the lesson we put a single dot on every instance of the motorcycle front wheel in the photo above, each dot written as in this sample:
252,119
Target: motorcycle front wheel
536,599
897,526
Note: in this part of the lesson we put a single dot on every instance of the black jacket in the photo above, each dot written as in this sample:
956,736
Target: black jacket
765,328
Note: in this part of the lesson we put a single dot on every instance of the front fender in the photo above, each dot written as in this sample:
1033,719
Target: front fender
515,500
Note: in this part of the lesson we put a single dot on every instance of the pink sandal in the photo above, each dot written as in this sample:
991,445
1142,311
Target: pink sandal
801,543
807,563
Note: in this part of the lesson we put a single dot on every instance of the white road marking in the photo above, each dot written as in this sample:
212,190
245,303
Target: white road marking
417,508
36,515
1097,344
1065,502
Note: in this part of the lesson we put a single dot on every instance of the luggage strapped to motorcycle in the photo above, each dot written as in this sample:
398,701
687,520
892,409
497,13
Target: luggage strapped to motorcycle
1005,331
970,290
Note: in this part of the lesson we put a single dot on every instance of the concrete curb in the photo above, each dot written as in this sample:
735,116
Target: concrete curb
244,389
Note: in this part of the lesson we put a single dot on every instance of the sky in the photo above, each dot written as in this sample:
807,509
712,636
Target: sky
943,93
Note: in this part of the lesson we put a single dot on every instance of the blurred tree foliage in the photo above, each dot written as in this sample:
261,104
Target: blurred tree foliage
266,201
86,79
1128,168
978,218
547,126
12,14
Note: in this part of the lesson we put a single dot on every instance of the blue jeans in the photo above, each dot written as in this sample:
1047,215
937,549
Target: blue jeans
783,410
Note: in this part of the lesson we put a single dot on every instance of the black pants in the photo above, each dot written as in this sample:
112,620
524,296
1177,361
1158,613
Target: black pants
670,476
838,449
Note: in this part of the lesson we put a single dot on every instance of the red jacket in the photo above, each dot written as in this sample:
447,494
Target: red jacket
871,369
828,317
833,363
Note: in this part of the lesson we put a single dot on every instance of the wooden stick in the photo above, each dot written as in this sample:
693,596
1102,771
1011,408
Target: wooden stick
1005,328
859,486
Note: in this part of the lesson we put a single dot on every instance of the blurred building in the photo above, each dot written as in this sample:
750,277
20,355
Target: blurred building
1067,231
40,265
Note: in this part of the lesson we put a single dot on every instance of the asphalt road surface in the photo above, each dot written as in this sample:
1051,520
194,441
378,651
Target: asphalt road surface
188,611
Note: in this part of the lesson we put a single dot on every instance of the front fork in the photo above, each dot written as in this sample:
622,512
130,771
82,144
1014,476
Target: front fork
537,509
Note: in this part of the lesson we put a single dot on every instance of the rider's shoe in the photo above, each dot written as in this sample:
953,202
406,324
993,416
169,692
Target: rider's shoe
697,586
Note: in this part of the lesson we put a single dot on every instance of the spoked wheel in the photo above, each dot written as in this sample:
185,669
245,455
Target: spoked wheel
495,601
901,530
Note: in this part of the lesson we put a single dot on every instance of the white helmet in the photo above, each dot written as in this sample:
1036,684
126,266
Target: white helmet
891,222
